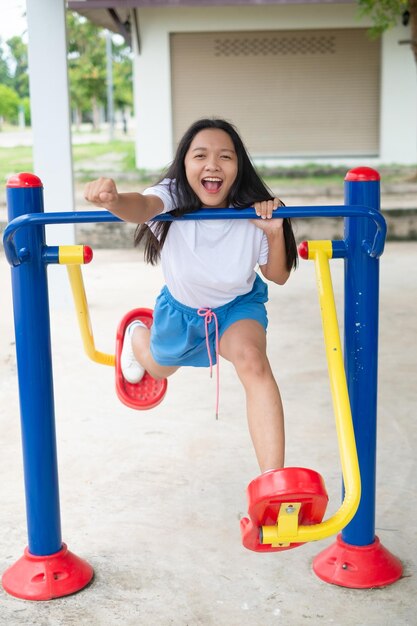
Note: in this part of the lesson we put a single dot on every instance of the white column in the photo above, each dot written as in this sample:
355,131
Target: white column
398,99
50,112
152,79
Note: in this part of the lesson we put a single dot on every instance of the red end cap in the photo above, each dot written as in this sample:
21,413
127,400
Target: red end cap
362,174
303,249
87,254
24,179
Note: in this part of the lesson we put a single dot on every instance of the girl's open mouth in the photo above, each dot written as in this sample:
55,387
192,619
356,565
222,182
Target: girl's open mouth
212,184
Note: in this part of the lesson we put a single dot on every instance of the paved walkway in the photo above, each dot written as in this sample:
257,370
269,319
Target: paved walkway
153,500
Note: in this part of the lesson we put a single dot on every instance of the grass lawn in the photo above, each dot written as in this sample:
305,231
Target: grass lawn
87,158
117,158
13,160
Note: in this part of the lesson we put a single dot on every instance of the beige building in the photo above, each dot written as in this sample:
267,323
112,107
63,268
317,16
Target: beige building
302,81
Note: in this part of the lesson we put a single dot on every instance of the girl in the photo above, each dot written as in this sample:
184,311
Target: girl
213,301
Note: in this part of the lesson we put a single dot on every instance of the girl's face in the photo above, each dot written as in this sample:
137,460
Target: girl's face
211,167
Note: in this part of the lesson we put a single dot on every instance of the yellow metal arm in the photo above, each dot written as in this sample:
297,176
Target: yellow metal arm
321,252
81,307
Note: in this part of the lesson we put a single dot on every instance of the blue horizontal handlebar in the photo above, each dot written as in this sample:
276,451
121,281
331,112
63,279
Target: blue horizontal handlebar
374,249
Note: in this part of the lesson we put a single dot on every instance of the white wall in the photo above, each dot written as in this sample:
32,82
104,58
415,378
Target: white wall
398,99
153,73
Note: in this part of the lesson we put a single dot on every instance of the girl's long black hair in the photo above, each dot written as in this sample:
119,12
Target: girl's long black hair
247,188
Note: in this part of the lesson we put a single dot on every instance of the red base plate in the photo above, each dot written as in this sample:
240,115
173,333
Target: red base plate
266,494
47,577
149,392
357,567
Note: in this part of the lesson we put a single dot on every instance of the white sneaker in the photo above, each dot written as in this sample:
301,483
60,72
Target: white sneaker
132,371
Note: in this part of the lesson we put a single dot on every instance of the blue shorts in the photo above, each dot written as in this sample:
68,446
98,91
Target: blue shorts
178,335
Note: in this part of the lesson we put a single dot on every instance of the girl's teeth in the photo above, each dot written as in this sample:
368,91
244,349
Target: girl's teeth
212,184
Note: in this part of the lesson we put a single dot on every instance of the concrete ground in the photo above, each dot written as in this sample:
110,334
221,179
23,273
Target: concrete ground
153,499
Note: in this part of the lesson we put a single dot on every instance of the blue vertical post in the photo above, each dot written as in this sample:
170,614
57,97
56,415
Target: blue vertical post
34,363
361,344
358,559
47,568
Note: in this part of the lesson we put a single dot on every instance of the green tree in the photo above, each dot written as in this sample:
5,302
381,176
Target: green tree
19,60
122,75
122,78
386,13
25,104
9,105
5,78
86,65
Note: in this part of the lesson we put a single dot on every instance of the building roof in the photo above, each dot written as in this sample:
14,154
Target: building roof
74,4
116,15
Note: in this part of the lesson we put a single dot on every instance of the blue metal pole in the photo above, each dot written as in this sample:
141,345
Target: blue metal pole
33,349
361,344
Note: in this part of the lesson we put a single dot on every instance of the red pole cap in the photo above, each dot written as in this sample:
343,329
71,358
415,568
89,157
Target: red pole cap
87,254
303,249
362,174
24,179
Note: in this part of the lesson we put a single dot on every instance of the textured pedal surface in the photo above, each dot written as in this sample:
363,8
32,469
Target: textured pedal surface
147,393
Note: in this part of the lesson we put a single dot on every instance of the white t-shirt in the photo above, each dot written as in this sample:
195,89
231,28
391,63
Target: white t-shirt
208,263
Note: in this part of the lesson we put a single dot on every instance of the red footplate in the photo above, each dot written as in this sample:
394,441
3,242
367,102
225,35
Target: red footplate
149,392
269,490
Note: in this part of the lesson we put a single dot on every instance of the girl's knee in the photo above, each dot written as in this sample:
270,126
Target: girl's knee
250,360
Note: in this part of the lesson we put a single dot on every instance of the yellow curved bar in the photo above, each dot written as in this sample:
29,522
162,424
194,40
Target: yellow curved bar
81,307
321,251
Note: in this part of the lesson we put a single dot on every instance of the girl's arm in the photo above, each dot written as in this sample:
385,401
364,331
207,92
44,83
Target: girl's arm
275,269
130,207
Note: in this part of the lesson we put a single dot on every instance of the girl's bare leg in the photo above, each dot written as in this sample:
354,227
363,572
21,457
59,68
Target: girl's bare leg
141,349
244,344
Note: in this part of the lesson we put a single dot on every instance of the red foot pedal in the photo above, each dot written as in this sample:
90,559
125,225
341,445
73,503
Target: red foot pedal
149,392
266,494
